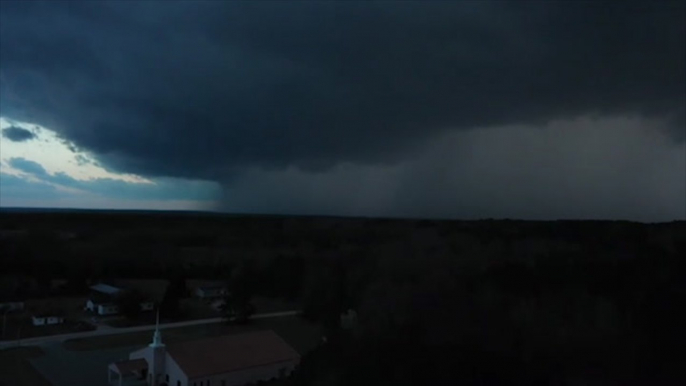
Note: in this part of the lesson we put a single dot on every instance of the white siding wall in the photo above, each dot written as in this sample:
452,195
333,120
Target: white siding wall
13,306
175,372
107,309
241,377
43,320
144,353
204,293
38,321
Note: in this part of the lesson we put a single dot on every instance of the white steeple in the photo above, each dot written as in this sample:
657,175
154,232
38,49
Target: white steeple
157,337
157,354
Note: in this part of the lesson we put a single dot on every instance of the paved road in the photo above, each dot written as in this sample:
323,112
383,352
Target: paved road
111,331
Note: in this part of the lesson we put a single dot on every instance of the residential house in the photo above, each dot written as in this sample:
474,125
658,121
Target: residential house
11,305
47,318
210,292
102,300
232,360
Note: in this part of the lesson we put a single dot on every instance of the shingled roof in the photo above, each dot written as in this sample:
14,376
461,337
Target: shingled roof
131,366
229,353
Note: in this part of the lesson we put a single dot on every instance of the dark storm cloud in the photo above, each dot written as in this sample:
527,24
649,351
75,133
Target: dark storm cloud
18,134
28,166
587,168
259,95
202,89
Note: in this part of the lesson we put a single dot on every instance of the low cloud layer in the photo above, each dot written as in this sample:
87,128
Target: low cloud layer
612,168
340,95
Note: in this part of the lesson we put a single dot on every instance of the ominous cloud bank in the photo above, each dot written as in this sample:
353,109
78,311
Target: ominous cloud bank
18,134
431,108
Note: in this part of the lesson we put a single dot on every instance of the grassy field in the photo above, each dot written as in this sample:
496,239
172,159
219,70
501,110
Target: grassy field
15,369
18,325
22,328
299,333
72,307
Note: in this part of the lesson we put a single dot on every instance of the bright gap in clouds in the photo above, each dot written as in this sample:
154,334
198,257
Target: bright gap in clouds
38,168
54,154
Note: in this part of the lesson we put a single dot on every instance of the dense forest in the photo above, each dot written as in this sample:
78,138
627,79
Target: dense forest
490,302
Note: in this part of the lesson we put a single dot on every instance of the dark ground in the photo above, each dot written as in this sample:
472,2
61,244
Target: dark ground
439,302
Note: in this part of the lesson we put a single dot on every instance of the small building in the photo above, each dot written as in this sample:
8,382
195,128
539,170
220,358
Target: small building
9,306
47,318
102,304
102,300
147,305
210,292
231,360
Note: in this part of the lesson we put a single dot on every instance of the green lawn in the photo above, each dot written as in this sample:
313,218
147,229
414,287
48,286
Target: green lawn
299,333
15,369
20,327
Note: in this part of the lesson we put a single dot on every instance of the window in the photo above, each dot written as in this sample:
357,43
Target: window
178,383
167,378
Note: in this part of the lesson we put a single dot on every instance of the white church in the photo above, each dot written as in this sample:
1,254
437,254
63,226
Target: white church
229,360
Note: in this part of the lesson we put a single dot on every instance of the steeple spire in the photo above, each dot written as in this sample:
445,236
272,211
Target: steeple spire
157,337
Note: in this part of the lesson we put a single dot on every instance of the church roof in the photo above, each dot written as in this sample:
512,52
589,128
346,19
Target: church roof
131,366
223,354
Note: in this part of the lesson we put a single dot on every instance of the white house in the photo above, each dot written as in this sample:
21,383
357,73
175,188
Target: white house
11,306
46,319
210,292
102,300
104,308
230,360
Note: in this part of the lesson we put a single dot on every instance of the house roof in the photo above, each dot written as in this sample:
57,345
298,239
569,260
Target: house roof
48,312
130,366
100,298
105,289
229,353
212,288
48,315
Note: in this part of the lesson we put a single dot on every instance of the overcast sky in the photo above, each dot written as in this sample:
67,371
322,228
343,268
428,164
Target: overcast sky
457,109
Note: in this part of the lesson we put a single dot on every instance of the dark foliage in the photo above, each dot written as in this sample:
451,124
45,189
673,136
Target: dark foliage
175,291
129,303
438,302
